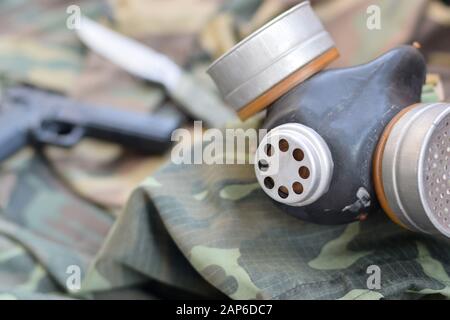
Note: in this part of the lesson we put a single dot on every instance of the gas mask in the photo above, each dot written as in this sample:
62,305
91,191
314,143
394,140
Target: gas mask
341,142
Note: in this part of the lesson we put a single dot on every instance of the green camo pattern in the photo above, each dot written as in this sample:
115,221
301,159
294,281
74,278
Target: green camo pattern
137,230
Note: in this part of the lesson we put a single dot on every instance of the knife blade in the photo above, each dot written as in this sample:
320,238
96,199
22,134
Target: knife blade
145,63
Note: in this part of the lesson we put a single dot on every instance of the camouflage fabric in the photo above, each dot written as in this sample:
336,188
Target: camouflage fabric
44,229
231,233
191,231
224,227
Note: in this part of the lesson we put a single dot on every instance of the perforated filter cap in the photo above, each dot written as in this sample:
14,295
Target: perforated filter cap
416,169
293,165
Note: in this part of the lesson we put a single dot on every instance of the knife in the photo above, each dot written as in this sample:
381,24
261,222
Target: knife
145,63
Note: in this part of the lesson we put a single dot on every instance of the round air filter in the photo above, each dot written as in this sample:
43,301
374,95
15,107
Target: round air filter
293,165
272,60
412,169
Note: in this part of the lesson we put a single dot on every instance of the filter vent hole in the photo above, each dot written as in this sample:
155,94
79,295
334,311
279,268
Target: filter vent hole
283,145
269,183
298,188
269,150
298,154
283,192
263,165
304,172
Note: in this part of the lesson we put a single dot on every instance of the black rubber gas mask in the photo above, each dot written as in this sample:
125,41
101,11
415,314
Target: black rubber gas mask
341,142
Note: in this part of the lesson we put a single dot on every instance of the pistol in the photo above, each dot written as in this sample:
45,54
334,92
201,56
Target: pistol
30,116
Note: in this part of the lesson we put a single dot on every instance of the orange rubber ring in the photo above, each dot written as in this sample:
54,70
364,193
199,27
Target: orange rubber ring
287,84
377,167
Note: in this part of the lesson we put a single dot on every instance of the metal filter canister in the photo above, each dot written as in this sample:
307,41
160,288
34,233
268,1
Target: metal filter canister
273,60
415,169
